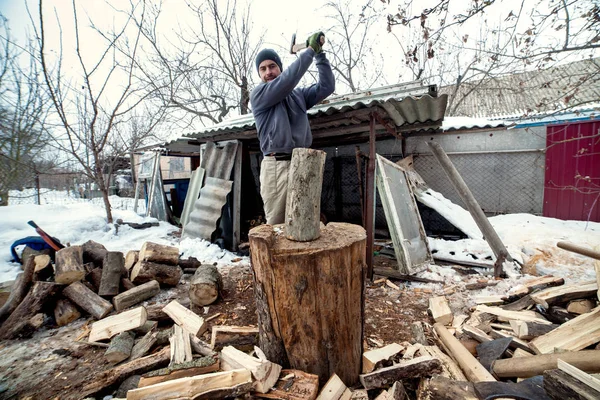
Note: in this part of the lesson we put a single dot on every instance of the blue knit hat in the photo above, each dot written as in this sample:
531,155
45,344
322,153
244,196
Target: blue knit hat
268,54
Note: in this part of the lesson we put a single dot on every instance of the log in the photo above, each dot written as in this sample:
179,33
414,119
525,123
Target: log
126,284
102,380
65,312
574,335
189,263
195,367
564,294
110,326
371,358
143,346
449,368
213,385
561,386
513,315
529,330
205,285
264,372
526,367
112,271
442,388
131,258
19,289
334,389
416,368
89,301
312,317
146,271
136,295
181,349
31,305
473,370
579,307
147,327
43,268
120,347
94,252
241,337
95,278
303,202
187,319
159,254
128,384
69,265
440,310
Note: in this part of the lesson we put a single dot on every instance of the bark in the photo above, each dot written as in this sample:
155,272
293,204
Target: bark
65,312
94,252
69,265
19,289
89,301
166,275
112,271
205,285
120,347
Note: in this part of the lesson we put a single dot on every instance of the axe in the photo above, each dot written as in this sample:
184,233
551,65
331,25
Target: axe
294,48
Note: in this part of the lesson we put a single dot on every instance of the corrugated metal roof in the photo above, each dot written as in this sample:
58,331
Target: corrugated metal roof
463,123
203,219
529,93
218,161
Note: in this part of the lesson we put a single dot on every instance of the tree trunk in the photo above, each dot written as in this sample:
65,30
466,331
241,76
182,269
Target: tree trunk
205,285
310,299
111,273
303,204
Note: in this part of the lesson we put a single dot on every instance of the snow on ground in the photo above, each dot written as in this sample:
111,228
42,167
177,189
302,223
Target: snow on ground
76,221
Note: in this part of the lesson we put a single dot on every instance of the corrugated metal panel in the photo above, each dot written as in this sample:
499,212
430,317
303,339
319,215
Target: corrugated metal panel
466,123
192,194
218,161
572,183
207,210
530,93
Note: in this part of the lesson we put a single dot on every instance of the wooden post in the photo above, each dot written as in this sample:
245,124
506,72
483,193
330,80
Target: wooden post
303,203
310,299
467,197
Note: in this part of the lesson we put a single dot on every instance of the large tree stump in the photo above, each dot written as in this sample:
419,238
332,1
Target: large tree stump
303,203
310,299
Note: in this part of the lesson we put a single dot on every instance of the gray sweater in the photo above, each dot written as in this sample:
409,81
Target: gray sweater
279,107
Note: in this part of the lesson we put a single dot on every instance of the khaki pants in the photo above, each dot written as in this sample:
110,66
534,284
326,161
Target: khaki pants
273,188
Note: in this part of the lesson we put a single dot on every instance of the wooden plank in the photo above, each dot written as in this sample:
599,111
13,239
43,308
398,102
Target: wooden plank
577,334
110,326
586,360
575,372
440,310
372,357
564,294
415,368
187,319
518,315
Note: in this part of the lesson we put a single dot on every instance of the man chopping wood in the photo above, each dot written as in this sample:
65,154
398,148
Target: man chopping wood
279,108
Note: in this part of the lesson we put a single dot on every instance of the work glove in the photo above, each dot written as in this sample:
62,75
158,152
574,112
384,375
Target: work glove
316,41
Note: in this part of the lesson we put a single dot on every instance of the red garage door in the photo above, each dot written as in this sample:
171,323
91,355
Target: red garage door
572,183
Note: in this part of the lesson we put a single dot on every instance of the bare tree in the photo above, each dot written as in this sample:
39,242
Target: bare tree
91,112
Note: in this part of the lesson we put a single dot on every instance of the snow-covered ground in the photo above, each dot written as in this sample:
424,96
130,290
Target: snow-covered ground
75,221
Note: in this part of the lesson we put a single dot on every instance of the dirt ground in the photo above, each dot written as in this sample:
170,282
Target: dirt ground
52,364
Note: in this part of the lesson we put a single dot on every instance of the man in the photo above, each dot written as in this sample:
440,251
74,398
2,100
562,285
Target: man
279,110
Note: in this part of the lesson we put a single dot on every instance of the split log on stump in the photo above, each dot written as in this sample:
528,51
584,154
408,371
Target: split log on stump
94,252
205,285
195,367
112,271
416,368
110,326
31,305
117,374
303,203
89,301
159,253
68,267
526,367
65,312
19,288
136,295
131,258
120,347
561,386
146,271
310,299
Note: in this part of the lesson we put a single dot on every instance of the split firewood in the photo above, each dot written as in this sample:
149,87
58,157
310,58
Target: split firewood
576,373
264,372
112,270
493,300
449,368
19,289
293,385
580,306
564,294
397,392
360,394
128,384
187,319
574,335
525,367
559,315
198,366
143,346
31,305
442,388
214,385
477,334
65,312
241,337
147,327
513,315
102,380
163,336
94,252
560,385
120,347
159,253
529,330
69,265
541,282
518,305
181,349
145,271
518,353
373,358
110,326
415,368
440,310
131,258
515,343
201,347
334,389
43,267
205,285
136,295
89,301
